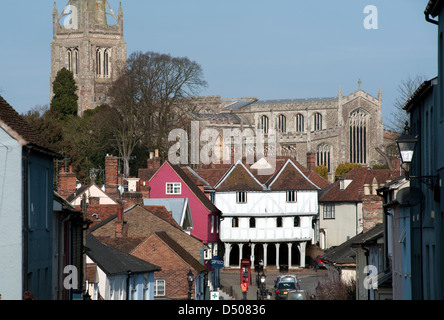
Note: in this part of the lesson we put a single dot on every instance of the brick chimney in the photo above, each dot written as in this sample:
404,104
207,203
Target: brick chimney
112,176
121,227
311,161
133,195
145,189
67,183
154,160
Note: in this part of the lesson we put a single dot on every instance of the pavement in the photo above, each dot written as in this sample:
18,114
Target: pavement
231,290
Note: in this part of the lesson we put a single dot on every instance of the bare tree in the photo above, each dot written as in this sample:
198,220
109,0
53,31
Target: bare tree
151,97
405,90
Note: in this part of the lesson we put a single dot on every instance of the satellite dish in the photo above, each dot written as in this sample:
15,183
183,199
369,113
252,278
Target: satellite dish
409,197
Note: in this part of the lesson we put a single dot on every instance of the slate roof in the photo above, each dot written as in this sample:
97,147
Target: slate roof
20,126
344,254
115,262
225,117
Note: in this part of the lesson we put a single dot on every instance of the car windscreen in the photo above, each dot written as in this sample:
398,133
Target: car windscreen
287,285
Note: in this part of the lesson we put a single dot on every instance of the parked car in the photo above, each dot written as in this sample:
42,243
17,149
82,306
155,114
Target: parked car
297,295
287,278
320,263
283,288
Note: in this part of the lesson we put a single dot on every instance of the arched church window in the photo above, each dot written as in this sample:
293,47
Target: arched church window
323,156
69,57
299,123
317,122
99,62
358,136
264,124
282,124
76,61
106,63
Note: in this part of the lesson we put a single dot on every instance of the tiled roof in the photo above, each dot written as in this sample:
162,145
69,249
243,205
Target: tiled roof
28,134
115,262
290,177
228,177
238,178
163,213
354,192
143,223
194,188
179,250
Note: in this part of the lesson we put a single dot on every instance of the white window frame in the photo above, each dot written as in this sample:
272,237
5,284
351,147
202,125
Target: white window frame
292,196
241,197
328,211
176,188
156,288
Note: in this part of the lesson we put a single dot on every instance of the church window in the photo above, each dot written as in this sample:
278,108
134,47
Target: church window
358,136
252,223
106,63
282,124
323,156
99,62
69,59
317,122
299,123
76,61
279,222
264,124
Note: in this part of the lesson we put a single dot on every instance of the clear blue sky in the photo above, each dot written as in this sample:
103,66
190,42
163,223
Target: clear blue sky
270,49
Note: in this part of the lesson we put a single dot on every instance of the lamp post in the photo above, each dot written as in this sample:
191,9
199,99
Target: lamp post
190,278
406,145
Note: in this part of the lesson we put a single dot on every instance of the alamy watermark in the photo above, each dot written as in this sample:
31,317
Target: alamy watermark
371,280
209,146
371,20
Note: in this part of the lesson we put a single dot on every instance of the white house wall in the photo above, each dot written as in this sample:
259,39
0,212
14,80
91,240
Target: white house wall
266,207
342,227
94,192
11,218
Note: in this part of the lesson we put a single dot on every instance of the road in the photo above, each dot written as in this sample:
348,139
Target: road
230,281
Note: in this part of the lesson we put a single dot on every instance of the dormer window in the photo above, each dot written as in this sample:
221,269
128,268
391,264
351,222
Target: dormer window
241,197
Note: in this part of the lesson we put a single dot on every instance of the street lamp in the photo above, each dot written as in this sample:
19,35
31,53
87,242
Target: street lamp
406,145
190,278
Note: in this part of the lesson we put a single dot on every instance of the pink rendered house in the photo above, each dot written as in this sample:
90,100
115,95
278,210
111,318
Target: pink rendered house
170,181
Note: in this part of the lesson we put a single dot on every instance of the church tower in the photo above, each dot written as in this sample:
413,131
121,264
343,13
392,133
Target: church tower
88,40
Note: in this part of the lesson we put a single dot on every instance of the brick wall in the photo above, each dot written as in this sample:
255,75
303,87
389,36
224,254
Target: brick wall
174,269
372,210
67,183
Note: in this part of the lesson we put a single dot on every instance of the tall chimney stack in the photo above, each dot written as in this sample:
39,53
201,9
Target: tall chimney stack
67,183
311,160
112,176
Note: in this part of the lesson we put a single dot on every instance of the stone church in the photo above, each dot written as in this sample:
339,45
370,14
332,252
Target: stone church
345,128
88,40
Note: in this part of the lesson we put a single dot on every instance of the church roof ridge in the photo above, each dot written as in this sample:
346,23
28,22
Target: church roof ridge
319,99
